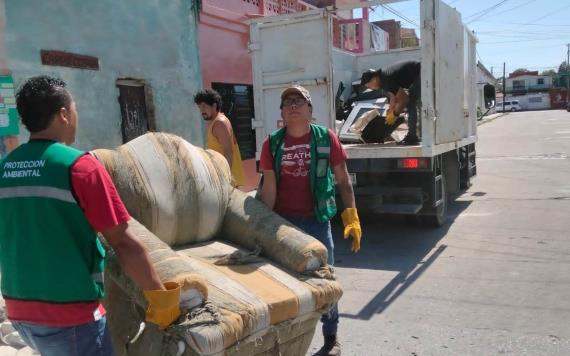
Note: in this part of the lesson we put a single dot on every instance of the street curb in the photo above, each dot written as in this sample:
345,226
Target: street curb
484,121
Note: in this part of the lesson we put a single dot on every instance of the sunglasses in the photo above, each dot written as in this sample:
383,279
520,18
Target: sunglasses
290,102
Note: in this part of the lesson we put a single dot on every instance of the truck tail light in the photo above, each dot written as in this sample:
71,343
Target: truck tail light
412,163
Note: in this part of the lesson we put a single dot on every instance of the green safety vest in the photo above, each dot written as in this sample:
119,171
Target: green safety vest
48,250
321,176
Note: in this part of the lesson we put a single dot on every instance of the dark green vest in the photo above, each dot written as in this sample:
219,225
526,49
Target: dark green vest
321,176
48,250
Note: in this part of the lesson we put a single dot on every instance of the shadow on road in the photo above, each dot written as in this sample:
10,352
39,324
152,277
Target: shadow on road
394,244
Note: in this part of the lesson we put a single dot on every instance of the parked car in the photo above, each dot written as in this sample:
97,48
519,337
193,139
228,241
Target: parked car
512,105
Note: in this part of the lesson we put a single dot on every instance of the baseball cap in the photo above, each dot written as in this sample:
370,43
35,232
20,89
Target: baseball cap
297,89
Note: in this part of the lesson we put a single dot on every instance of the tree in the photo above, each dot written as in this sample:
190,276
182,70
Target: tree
563,72
550,72
520,71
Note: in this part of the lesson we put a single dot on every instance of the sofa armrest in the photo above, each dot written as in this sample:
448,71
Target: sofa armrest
249,223
170,266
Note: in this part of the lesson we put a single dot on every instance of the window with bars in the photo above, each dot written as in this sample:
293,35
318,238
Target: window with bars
519,85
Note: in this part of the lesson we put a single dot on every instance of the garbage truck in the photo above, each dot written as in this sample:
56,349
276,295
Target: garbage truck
299,49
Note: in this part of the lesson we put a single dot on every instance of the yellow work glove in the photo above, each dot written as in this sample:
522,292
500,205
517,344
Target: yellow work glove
352,227
163,305
390,118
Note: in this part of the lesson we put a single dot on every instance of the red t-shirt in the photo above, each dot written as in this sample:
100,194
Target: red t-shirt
294,197
103,208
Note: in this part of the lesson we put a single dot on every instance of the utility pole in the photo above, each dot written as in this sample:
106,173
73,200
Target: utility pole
504,84
568,75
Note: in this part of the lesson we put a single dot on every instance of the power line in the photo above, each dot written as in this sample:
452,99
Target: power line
527,40
480,14
526,24
403,17
521,32
512,8
518,38
526,48
550,13
400,15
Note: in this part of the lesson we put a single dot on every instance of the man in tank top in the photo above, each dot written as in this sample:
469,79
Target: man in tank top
220,136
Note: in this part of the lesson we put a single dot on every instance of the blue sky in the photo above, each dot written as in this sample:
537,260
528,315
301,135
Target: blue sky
523,33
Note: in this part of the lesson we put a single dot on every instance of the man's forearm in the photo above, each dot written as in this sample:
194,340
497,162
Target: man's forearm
347,195
268,198
135,261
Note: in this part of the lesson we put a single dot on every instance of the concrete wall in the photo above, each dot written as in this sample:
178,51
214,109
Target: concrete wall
7,143
534,101
483,77
152,40
224,41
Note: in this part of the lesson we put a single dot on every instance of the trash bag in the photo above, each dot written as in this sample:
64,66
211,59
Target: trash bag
377,131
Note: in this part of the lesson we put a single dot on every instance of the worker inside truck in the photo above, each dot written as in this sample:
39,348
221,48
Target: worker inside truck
402,82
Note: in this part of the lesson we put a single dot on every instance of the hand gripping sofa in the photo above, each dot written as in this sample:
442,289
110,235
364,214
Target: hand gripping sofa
253,284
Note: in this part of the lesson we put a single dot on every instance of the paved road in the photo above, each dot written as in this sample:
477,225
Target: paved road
495,280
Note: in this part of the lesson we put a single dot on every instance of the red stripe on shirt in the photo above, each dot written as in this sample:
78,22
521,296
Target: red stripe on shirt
64,315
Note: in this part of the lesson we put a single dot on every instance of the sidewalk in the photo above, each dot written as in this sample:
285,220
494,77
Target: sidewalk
491,117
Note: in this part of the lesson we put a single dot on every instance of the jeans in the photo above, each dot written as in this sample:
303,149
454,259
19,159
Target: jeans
322,232
91,339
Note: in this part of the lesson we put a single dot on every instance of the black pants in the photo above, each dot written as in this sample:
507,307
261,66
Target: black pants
415,96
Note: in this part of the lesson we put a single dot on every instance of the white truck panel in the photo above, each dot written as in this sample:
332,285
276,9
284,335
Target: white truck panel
470,97
301,54
344,65
451,124
287,50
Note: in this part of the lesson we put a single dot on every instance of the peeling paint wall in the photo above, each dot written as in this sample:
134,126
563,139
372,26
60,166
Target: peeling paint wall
152,40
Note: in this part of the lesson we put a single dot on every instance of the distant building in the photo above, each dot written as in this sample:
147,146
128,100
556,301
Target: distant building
399,37
409,38
530,89
393,28
520,83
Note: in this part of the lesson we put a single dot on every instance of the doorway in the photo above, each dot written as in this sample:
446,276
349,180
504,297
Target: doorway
136,114
237,104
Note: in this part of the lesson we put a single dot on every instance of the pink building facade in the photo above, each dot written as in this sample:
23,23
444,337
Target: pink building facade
226,63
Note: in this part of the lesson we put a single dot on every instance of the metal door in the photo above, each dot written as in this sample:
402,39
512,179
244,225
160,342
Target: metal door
291,49
452,122
134,115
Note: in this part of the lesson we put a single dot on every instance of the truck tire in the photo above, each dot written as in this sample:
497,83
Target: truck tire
439,215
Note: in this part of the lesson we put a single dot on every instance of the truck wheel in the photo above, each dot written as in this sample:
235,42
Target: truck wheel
439,216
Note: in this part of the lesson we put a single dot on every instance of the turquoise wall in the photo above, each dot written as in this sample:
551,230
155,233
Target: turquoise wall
153,40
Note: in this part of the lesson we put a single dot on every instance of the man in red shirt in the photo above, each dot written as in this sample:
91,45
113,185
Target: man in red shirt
297,163
52,317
